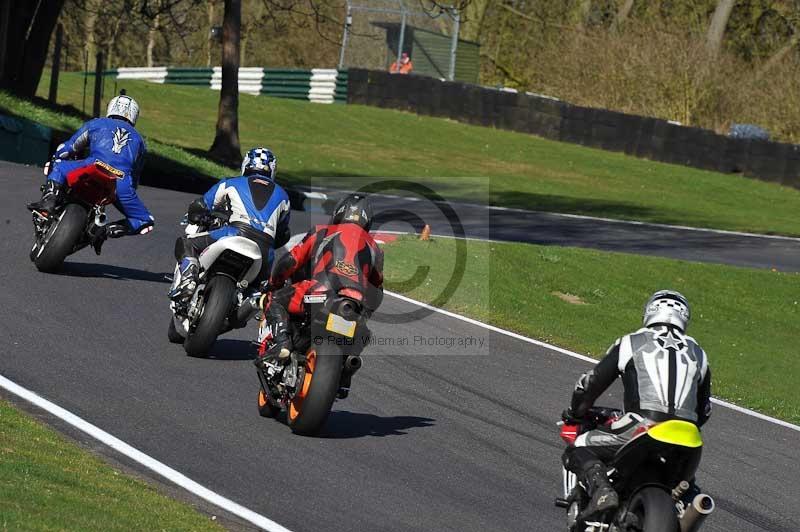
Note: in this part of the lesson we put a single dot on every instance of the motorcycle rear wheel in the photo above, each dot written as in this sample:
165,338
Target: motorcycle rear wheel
310,407
218,297
60,239
655,510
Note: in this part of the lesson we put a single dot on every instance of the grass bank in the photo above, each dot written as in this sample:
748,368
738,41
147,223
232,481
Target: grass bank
583,300
515,170
48,483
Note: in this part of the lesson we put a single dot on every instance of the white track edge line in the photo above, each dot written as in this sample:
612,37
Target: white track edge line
573,354
143,459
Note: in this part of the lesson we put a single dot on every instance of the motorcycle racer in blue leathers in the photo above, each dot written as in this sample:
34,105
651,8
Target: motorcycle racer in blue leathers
114,141
259,210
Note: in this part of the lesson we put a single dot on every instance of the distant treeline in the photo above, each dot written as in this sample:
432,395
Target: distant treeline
706,63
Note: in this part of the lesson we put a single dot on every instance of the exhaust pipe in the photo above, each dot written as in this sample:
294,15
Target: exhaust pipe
352,363
694,515
247,309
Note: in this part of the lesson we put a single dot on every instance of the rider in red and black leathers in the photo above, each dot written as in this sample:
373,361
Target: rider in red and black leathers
331,258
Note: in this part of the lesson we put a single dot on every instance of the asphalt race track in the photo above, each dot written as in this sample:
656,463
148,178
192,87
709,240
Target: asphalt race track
431,438
514,225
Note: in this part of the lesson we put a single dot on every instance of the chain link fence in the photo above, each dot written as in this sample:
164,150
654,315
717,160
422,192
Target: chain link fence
378,32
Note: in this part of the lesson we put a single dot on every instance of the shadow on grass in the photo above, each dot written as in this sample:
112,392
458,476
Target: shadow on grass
566,204
108,271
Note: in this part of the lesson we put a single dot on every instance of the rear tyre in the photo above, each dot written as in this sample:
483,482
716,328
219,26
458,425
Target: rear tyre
265,406
218,298
309,409
60,239
655,510
173,334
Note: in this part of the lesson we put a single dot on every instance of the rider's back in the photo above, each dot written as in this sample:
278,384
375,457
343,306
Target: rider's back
662,371
254,200
115,142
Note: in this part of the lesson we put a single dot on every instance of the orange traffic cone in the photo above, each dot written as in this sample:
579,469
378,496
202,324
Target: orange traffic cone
426,233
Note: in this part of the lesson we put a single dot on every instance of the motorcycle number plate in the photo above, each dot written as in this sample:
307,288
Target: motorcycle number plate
339,325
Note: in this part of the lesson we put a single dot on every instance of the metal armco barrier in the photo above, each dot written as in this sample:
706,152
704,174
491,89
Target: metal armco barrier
639,136
319,85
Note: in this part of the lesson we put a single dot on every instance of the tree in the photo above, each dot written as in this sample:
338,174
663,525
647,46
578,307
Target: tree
716,29
26,40
226,142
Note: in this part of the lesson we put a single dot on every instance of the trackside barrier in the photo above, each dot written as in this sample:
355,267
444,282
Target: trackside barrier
319,85
640,136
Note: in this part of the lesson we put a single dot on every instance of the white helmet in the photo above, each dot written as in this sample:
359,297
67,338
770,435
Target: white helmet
668,308
123,107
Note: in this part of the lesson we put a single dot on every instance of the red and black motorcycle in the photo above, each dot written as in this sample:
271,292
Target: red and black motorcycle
79,219
328,340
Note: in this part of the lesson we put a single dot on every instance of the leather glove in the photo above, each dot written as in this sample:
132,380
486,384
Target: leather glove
568,417
197,213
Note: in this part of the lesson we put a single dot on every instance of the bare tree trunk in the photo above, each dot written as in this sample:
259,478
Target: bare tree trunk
30,26
716,28
226,143
5,13
90,48
111,42
209,40
778,56
474,14
622,13
151,39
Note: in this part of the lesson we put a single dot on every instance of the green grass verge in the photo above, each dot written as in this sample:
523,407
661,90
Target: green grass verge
47,483
745,319
164,157
524,171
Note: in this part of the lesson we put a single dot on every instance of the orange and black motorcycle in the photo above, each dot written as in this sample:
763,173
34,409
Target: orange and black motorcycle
328,341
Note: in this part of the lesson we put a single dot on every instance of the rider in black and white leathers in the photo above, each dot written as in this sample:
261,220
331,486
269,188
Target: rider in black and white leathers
665,375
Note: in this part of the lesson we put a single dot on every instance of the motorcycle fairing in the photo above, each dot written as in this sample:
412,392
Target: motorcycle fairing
239,245
677,432
95,183
647,460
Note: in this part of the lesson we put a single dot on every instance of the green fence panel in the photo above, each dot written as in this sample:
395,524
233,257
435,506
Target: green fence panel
23,141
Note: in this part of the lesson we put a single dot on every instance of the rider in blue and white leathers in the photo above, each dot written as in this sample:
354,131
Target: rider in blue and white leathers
259,211
114,141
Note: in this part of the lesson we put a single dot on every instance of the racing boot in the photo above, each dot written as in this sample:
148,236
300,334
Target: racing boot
184,285
604,498
274,336
52,197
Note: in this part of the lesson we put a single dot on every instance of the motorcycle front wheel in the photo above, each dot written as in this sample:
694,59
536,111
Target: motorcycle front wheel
218,298
655,510
50,251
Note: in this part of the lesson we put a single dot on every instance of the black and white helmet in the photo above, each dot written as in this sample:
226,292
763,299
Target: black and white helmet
667,307
355,209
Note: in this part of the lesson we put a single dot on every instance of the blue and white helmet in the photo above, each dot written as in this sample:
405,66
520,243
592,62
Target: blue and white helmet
260,161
